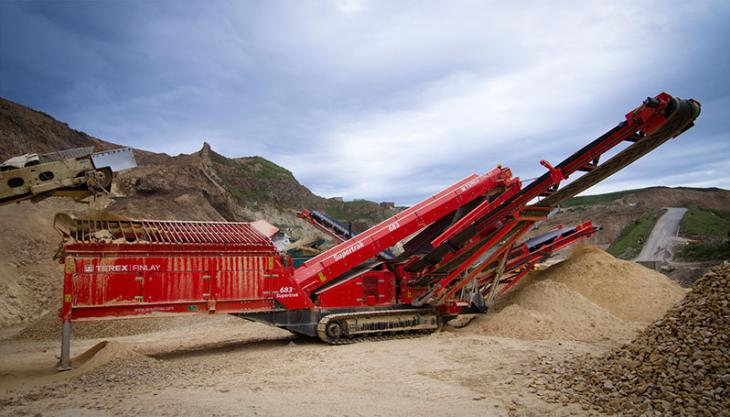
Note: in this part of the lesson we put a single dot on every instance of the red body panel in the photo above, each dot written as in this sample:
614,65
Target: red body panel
209,268
159,284
374,288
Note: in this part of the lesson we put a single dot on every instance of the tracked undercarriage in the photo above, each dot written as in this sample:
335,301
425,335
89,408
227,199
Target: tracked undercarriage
347,328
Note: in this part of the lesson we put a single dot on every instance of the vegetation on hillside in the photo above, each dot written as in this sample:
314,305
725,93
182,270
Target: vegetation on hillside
362,213
704,222
256,180
339,209
706,251
712,229
714,198
263,168
634,235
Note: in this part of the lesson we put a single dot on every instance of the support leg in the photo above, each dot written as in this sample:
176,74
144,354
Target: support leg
498,276
65,346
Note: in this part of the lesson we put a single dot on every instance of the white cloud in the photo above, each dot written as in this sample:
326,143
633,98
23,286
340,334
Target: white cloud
350,6
549,77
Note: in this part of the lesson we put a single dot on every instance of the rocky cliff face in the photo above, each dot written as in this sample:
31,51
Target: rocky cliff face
208,186
23,130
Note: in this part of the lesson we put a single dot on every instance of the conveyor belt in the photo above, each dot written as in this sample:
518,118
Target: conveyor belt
336,229
679,121
344,232
679,115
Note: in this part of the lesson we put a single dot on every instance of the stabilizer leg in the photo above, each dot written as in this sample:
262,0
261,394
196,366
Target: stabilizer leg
65,364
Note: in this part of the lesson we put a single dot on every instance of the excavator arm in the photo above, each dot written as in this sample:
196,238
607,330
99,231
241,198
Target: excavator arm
77,173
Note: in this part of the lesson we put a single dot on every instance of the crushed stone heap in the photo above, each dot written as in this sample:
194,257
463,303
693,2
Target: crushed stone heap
680,365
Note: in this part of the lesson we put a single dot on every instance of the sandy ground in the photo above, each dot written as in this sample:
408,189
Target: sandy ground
225,366
228,367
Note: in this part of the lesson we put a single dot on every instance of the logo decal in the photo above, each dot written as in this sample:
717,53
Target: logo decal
349,251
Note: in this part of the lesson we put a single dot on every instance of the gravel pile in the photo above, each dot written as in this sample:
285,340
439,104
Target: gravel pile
680,365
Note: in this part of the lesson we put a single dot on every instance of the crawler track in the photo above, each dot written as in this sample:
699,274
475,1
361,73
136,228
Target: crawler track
347,328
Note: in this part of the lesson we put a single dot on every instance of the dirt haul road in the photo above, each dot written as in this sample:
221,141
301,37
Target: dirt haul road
224,366
663,237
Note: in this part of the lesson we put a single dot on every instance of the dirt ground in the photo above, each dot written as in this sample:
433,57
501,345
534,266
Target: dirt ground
225,366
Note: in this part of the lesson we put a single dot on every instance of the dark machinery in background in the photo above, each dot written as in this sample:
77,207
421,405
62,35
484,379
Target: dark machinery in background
77,173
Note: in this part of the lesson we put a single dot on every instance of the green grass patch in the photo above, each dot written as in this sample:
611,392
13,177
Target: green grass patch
344,211
220,159
632,238
240,195
252,179
356,211
706,252
263,168
698,222
336,213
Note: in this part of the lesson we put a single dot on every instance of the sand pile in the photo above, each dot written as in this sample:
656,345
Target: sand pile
592,296
551,310
100,354
625,289
680,365
98,357
112,362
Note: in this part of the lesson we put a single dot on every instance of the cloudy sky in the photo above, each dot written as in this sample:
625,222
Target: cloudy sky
389,100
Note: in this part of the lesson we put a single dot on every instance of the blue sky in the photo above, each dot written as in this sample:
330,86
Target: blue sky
386,100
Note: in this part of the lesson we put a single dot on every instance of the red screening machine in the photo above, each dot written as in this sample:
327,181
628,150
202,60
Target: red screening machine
461,248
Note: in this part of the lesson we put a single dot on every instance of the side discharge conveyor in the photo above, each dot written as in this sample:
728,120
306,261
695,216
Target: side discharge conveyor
462,248
327,224
335,229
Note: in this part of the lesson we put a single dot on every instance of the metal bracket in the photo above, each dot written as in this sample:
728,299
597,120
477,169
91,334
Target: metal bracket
556,175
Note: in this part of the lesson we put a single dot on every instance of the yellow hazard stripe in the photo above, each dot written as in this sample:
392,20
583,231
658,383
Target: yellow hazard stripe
70,265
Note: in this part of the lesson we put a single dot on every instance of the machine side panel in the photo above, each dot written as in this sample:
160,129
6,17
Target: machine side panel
119,286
